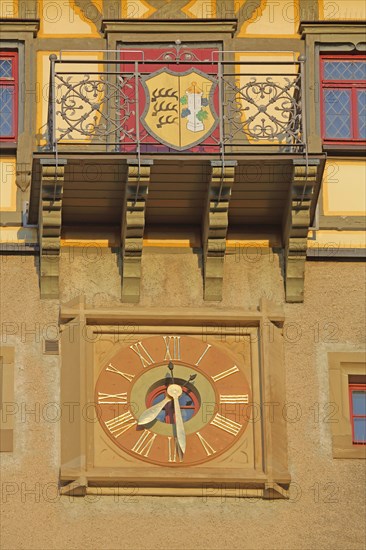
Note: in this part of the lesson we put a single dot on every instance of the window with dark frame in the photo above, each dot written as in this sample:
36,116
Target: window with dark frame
8,96
357,401
343,99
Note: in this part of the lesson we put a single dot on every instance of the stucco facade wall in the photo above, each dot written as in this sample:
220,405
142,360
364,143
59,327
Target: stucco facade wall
326,506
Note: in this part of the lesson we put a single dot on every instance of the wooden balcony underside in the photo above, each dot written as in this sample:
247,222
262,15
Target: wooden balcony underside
94,190
245,193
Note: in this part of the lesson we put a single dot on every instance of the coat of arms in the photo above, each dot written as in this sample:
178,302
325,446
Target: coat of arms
179,109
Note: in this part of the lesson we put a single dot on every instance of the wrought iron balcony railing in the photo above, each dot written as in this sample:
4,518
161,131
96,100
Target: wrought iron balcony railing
176,100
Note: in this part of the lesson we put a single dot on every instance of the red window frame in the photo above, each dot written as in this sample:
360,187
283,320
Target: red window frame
352,85
352,388
13,83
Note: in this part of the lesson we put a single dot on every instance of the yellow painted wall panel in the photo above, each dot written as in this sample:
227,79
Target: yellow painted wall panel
275,109
337,239
279,18
67,19
9,8
342,9
43,75
18,235
344,188
7,184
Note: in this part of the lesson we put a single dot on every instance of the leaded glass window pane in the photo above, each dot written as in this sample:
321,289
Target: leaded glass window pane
6,110
345,70
361,106
6,68
338,113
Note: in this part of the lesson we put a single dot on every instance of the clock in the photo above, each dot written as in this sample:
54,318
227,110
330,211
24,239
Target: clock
173,401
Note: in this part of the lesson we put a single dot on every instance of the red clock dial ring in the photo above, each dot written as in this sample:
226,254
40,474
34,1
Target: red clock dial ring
135,380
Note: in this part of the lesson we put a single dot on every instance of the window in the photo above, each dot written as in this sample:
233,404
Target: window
357,400
8,96
343,83
347,384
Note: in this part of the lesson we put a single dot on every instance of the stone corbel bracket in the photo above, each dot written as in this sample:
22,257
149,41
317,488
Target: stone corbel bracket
133,224
52,183
304,180
215,226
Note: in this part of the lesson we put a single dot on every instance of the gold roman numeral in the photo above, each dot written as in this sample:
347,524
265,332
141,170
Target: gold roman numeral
225,373
172,348
235,399
125,375
120,424
173,450
225,424
143,445
141,351
112,398
203,354
209,450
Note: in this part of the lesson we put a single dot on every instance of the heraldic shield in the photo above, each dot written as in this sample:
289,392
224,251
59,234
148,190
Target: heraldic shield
179,110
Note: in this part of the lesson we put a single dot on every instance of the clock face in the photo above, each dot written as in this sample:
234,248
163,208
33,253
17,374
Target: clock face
173,401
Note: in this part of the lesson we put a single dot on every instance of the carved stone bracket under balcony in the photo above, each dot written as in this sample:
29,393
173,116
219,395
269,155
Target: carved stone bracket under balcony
133,224
215,225
52,183
304,180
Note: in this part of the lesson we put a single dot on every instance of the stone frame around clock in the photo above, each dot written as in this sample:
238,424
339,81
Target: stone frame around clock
81,327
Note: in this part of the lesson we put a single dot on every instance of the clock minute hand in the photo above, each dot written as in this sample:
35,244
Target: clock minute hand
181,434
175,392
150,414
190,379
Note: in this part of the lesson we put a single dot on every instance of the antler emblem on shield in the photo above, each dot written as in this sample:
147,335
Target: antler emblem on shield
179,109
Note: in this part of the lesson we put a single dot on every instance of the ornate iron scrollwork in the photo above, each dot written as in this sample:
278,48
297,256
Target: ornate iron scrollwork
263,110
92,108
104,107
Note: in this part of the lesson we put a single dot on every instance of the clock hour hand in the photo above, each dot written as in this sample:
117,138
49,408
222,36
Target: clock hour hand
150,414
171,368
175,392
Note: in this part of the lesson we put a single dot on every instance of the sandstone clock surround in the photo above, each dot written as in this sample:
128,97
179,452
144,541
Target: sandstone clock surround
173,402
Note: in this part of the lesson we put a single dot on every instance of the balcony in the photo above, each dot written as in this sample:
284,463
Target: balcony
173,138
175,101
